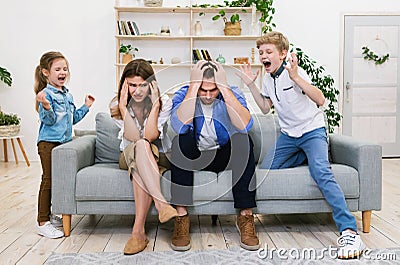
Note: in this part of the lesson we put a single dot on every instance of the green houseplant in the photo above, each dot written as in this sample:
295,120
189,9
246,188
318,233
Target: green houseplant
128,52
9,124
262,6
5,76
232,26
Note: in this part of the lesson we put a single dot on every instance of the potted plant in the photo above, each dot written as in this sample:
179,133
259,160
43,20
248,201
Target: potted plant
9,124
263,6
127,52
5,76
232,27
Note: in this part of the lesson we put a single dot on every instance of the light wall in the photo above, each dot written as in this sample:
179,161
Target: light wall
84,32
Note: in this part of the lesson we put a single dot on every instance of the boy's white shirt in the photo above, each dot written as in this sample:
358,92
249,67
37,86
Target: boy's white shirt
297,113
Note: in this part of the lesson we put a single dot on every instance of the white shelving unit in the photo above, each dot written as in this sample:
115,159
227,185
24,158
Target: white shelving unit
154,47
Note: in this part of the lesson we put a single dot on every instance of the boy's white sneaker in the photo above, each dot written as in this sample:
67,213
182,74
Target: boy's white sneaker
350,245
55,220
49,231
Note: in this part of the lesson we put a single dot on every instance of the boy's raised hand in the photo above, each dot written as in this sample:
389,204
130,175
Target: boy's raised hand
293,67
247,75
89,99
41,98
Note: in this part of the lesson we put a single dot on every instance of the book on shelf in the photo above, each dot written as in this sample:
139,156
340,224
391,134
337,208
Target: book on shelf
198,54
203,54
195,57
119,28
135,27
130,28
124,28
208,55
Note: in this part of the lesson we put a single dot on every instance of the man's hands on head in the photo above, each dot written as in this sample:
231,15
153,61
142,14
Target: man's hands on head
196,75
220,77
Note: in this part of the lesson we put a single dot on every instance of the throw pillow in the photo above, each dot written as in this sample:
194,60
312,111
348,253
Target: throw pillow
107,142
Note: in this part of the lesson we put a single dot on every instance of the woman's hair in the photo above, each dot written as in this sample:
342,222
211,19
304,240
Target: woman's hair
137,67
275,38
46,61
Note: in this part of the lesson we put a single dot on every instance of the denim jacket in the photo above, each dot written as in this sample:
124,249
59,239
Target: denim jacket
56,123
222,122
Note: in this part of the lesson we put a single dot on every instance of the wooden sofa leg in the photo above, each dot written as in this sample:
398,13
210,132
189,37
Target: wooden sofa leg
66,224
366,221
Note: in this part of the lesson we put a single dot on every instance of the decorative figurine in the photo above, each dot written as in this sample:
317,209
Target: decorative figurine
220,59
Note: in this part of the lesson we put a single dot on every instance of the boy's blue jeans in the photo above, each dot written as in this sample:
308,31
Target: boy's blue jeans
313,146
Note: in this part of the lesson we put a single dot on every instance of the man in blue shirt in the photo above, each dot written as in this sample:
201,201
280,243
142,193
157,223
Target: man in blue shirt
212,122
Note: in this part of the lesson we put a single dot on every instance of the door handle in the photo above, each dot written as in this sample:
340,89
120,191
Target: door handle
348,86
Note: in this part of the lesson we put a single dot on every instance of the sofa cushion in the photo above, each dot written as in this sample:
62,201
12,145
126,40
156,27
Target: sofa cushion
265,133
103,182
297,183
107,142
106,182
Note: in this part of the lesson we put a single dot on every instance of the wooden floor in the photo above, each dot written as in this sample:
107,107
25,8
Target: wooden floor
19,243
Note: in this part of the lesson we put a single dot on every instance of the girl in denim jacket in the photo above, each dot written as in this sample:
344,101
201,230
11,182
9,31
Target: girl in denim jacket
57,113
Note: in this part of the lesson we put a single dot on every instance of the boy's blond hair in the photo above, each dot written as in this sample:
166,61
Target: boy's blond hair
275,38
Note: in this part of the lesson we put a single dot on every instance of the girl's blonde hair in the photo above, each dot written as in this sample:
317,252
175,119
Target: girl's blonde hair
137,67
275,38
46,61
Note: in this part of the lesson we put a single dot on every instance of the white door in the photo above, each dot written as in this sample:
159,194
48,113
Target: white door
371,96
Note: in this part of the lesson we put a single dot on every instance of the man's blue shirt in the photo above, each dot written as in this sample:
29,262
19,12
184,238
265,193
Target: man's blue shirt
222,122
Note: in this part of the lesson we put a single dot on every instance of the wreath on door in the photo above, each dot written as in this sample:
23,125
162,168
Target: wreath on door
370,55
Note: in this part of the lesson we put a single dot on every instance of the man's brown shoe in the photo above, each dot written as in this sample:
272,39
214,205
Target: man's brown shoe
181,238
135,245
247,231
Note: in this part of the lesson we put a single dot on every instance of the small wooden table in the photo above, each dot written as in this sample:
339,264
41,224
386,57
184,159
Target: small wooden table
11,138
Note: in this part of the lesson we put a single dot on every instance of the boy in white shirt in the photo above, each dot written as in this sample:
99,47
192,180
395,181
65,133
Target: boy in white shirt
287,87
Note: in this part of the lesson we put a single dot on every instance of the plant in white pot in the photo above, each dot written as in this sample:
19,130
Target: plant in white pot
128,52
9,124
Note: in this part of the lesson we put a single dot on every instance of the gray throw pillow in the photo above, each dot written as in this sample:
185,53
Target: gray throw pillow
107,142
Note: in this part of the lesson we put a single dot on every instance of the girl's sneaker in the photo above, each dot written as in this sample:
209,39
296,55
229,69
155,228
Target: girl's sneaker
55,220
49,231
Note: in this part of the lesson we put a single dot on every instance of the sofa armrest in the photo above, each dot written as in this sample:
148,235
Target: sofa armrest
67,160
366,158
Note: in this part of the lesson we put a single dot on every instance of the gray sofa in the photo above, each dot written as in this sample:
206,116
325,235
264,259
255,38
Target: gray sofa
87,179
